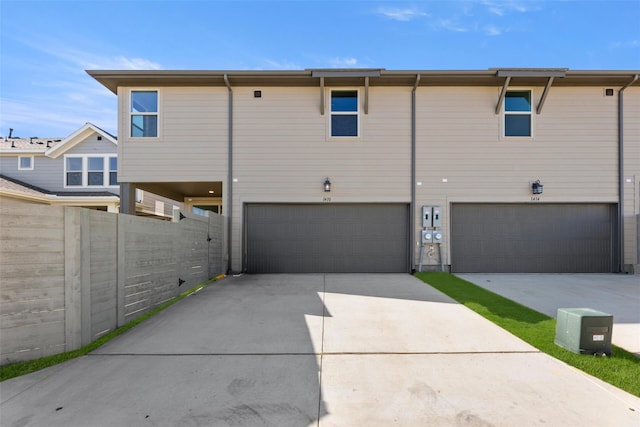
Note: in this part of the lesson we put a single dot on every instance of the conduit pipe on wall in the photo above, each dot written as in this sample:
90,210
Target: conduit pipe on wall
229,173
621,268
412,207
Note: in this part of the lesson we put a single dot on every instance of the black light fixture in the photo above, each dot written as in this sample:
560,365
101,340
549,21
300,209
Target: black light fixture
536,187
327,185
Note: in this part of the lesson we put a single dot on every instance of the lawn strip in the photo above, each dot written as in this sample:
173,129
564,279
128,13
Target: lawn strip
621,369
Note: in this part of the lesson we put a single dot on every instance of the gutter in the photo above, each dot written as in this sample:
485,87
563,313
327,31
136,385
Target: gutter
412,207
621,174
229,173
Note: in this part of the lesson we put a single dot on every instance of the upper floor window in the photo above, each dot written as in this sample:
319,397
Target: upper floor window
113,171
90,171
25,163
517,113
95,171
73,171
144,113
344,113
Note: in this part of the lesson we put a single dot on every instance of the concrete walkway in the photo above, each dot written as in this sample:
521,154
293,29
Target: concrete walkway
315,350
615,294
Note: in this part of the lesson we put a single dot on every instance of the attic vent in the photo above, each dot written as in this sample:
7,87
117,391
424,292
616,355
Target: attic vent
99,138
608,92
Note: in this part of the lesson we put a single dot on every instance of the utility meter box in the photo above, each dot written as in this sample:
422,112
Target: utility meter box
584,330
431,216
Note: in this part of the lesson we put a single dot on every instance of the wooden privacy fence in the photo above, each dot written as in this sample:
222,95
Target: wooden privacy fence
71,275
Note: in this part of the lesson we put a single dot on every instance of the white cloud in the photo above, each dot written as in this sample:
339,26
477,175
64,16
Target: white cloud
492,30
344,63
47,120
629,44
281,65
450,25
95,62
406,14
79,60
501,8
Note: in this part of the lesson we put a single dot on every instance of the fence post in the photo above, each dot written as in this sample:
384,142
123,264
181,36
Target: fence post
85,275
72,279
121,280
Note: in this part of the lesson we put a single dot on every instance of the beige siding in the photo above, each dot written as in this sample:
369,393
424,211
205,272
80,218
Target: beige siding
192,142
573,150
155,205
575,160
282,153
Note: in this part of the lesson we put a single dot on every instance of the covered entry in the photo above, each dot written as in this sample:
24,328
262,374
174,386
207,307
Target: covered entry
532,238
326,238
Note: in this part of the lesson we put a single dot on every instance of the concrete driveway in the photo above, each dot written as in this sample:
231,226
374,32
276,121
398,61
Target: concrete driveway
315,350
615,294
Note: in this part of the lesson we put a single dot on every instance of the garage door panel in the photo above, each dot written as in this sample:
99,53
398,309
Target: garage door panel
327,238
542,238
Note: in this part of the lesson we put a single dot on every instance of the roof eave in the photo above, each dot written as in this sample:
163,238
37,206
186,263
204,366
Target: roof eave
112,79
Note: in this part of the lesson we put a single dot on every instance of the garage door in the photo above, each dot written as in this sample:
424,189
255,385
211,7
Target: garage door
327,238
532,238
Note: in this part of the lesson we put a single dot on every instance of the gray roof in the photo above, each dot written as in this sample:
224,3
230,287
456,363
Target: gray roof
35,144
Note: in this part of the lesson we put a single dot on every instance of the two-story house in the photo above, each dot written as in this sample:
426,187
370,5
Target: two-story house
78,170
375,170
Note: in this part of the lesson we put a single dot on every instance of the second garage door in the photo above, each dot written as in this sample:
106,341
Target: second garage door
532,238
326,238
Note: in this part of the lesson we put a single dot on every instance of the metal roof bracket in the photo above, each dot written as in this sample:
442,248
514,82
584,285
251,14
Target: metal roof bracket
322,96
366,95
503,93
544,95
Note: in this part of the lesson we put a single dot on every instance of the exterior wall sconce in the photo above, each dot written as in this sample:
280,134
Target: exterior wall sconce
327,185
536,187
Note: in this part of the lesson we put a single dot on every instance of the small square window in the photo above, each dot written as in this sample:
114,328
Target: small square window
95,171
144,114
25,163
113,171
344,113
74,171
517,113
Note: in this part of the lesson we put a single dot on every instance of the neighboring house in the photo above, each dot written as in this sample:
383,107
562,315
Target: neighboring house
374,170
79,170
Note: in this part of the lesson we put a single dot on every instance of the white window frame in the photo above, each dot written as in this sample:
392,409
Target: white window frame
108,163
132,113
523,113
31,163
357,113
85,170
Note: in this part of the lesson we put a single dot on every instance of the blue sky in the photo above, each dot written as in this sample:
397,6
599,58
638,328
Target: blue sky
46,46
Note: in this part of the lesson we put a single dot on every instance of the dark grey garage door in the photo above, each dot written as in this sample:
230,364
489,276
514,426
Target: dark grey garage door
326,238
532,238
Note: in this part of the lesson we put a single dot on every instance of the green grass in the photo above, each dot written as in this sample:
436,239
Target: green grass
621,369
22,368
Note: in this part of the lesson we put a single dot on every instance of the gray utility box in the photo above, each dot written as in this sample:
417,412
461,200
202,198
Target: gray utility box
584,330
